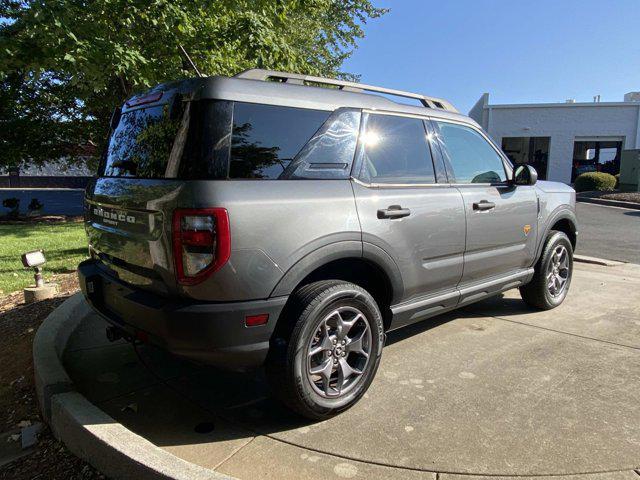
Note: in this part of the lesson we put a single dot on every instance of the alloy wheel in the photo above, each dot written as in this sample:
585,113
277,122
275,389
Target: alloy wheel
558,271
338,352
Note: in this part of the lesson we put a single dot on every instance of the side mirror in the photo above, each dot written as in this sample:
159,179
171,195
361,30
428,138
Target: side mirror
524,175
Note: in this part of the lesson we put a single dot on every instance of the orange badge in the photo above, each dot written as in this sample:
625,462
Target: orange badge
526,229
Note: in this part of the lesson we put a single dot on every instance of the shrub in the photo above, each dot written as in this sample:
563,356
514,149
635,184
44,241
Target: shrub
617,175
13,204
35,205
591,181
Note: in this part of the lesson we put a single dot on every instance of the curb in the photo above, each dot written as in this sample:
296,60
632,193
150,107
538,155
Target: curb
86,430
597,261
48,346
609,203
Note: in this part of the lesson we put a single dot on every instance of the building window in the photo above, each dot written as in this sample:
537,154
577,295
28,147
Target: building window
533,151
596,156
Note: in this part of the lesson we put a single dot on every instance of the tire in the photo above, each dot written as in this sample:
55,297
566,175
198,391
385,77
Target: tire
327,317
539,292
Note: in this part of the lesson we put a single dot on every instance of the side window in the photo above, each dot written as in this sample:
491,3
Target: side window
396,151
470,155
329,153
265,138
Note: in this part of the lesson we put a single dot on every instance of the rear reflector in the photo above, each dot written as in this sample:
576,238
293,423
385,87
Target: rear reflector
256,320
201,243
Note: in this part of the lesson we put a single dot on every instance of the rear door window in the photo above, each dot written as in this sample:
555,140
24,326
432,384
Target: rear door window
266,138
396,150
469,155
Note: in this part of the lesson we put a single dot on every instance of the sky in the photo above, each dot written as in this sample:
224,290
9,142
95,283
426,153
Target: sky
519,51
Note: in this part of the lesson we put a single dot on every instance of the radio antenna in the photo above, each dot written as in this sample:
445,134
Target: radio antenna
193,65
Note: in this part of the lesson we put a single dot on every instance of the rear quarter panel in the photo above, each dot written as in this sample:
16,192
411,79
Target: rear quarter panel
274,224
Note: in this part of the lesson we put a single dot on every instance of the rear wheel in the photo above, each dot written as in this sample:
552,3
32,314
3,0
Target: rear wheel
332,352
550,283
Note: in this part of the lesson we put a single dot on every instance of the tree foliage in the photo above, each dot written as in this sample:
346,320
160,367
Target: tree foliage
66,63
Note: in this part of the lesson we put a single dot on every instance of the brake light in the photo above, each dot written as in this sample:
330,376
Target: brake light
150,98
201,243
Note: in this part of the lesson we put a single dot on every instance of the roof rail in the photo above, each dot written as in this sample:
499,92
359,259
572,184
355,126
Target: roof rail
298,79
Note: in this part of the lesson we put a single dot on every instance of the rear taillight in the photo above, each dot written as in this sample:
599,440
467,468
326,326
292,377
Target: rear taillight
201,243
150,98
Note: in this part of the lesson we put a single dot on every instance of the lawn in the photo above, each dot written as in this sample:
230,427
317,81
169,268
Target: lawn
64,245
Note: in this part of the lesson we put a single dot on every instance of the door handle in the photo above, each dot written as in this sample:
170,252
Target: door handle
394,211
483,205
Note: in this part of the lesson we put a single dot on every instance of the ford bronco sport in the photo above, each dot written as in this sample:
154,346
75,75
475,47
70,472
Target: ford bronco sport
266,220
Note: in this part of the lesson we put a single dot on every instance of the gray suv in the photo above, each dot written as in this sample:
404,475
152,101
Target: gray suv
266,219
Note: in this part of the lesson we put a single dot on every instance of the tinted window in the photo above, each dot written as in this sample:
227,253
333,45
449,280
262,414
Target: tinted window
141,144
396,151
266,138
329,153
206,150
470,155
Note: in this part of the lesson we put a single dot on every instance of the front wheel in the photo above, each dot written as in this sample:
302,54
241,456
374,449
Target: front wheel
332,352
550,283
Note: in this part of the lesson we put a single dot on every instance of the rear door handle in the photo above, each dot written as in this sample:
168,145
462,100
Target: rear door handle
483,205
394,211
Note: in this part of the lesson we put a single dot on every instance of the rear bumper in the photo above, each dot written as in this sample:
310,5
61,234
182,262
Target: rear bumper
210,333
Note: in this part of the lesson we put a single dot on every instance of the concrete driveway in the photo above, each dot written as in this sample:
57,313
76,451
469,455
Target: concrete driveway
493,390
608,232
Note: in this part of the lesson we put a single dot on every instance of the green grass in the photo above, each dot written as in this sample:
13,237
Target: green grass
64,245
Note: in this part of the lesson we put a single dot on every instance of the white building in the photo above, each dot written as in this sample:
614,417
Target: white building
562,140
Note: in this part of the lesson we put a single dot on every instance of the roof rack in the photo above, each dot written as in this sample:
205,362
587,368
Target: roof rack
298,79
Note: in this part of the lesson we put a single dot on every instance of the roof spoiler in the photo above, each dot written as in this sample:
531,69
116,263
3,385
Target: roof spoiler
298,79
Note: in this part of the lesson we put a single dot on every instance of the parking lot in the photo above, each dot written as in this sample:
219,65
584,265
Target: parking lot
609,232
495,389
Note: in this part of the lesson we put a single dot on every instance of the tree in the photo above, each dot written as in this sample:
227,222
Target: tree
66,63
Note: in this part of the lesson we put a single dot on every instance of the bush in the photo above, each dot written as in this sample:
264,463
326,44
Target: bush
13,204
602,182
35,205
617,175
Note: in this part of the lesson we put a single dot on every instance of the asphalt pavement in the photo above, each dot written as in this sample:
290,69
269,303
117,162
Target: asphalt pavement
608,232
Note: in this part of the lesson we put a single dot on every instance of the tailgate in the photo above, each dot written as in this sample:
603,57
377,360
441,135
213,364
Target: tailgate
128,224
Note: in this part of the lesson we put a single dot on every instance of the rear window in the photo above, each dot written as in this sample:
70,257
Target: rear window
141,144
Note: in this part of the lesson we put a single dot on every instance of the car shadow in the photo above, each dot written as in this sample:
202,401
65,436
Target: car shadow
195,405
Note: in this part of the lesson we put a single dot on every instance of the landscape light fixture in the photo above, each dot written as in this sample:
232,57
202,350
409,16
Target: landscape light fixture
35,260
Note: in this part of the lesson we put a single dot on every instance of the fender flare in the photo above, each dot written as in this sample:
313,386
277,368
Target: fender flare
560,213
337,251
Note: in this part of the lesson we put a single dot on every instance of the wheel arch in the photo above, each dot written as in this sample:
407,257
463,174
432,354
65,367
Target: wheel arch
369,267
563,220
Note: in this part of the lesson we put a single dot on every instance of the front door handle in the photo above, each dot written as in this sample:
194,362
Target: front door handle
483,205
394,211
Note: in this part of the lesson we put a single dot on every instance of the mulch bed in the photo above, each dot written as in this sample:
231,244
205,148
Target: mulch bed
633,197
18,403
